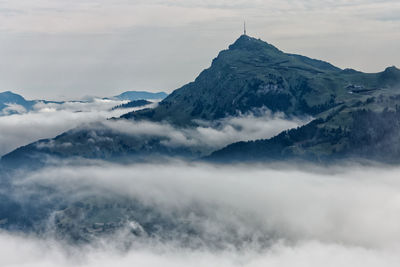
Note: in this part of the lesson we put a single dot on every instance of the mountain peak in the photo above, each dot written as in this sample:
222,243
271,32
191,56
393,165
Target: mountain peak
10,96
391,75
392,69
7,93
137,95
245,42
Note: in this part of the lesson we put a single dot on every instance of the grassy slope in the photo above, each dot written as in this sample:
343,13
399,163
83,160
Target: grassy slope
368,128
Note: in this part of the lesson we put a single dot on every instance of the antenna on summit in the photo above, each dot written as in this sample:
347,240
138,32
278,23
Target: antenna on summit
244,28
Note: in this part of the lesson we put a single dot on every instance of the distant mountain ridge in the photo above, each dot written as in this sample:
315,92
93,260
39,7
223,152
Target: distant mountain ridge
11,103
140,95
9,98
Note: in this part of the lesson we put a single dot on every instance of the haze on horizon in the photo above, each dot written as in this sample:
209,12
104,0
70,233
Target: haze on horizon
56,49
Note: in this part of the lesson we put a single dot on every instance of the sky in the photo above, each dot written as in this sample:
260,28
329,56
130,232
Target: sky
57,49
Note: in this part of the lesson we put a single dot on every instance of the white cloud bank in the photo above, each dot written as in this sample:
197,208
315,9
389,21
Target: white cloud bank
12,109
19,251
336,216
353,205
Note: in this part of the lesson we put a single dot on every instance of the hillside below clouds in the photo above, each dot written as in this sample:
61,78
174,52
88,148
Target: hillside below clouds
356,114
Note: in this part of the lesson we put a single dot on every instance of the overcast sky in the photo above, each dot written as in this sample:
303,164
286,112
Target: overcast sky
67,49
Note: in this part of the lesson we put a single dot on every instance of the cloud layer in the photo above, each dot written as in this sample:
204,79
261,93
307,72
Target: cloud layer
48,253
344,204
314,216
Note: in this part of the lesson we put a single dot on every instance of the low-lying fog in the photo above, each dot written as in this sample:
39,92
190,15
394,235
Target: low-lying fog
50,120
284,215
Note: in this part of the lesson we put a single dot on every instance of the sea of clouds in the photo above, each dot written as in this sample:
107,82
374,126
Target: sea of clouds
246,215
